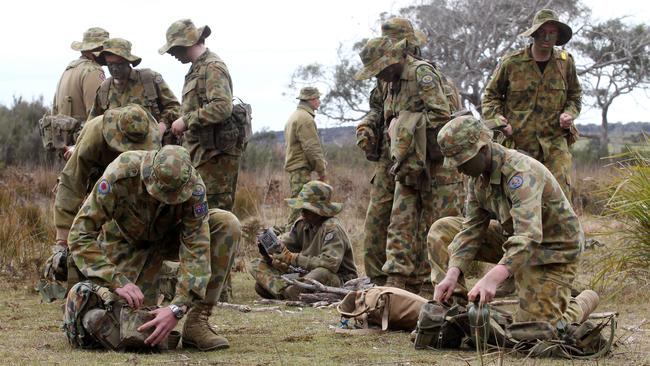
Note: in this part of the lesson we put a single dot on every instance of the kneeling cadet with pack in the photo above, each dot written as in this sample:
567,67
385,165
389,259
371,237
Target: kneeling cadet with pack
518,218
147,207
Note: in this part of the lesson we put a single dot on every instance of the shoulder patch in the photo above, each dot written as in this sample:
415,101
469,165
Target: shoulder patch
329,236
198,190
516,182
103,187
200,209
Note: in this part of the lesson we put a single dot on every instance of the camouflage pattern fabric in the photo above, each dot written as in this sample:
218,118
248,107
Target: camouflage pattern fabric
89,159
93,39
316,196
122,234
77,87
297,179
271,278
130,127
118,47
165,108
302,144
376,55
220,176
549,16
183,33
532,103
308,93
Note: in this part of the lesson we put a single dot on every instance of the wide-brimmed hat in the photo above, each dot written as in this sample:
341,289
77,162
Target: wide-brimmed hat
169,176
93,39
398,29
376,55
549,16
308,92
119,47
130,128
461,139
184,33
315,196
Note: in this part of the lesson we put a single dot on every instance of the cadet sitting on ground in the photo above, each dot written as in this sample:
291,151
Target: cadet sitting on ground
316,243
150,206
535,235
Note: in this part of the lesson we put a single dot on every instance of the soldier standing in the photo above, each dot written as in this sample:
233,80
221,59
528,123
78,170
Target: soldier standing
317,243
128,85
424,189
149,206
303,150
78,85
534,96
517,217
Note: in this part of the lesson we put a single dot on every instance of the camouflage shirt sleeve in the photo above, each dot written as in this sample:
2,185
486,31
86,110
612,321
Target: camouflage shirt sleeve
370,124
524,190
574,90
331,254
87,252
466,243
218,104
169,105
493,101
95,109
194,252
310,143
433,96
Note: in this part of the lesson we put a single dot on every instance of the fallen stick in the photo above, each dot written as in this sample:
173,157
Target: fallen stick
238,307
315,286
280,302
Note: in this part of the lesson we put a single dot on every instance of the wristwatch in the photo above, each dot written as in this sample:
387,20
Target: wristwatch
177,311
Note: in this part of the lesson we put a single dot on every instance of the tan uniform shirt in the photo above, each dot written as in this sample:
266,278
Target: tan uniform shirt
302,146
77,87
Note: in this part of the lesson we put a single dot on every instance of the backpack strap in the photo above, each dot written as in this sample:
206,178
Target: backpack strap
150,91
102,93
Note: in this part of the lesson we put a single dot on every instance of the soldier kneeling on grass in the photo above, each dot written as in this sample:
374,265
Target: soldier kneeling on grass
147,207
317,247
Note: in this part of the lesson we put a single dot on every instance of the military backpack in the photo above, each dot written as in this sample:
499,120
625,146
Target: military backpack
58,131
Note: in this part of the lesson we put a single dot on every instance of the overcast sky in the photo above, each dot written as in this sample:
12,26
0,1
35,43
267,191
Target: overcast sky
262,42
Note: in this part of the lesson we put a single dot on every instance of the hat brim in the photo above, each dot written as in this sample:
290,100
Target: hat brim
86,46
122,144
133,59
154,189
451,162
564,31
204,32
376,67
329,209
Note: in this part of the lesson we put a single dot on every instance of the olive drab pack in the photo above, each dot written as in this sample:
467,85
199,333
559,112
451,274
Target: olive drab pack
233,134
58,131
379,309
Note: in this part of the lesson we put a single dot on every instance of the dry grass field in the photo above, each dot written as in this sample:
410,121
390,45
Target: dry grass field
31,331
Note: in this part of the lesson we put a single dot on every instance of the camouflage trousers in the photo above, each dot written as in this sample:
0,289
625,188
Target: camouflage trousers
544,292
559,162
142,264
375,227
220,175
297,179
413,211
270,278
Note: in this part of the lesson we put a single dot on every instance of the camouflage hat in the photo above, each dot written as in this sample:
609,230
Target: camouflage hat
376,55
119,47
130,128
315,196
421,37
169,176
93,39
308,92
545,16
398,29
461,139
184,33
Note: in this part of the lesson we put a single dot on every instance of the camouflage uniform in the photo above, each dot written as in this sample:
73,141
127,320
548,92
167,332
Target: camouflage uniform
420,196
535,232
160,102
303,151
151,206
206,110
76,89
532,102
323,250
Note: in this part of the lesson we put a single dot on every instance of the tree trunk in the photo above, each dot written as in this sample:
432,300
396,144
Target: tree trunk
604,139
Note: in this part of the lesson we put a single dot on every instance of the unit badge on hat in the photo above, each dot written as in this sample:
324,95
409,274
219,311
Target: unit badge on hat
103,187
515,182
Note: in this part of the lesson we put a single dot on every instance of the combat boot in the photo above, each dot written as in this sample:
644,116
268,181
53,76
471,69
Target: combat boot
197,331
396,280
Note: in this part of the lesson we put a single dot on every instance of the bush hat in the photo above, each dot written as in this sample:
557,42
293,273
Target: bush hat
308,92
184,33
130,128
93,39
376,55
119,47
169,176
315,196
549,16
461,139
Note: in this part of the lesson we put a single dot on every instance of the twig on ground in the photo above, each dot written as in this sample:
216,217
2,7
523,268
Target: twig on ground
238,307
280,302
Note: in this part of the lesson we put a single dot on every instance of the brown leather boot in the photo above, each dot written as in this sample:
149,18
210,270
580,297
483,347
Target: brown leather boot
197,331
